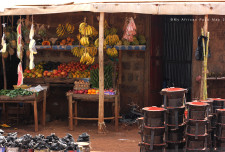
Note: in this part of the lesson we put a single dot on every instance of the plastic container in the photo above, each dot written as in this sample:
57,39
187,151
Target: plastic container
2,149
12,149
42,150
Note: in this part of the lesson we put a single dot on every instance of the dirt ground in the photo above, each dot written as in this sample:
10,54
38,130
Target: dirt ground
125,140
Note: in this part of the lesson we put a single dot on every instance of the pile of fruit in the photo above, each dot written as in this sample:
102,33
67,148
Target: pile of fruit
67,41
34,73
92,91
63,70
81,84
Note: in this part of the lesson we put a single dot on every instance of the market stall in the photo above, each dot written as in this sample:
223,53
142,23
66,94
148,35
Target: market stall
161,8
33,97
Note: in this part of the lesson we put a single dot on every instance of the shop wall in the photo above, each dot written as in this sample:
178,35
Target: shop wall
217,60
134,85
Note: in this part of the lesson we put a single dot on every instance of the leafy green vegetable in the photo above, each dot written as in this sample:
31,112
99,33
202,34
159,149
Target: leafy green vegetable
15,93
94,75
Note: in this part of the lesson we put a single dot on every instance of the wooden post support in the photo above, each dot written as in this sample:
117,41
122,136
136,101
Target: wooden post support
35,116
70,112
44,108
116,113
203,63
101,124
75,113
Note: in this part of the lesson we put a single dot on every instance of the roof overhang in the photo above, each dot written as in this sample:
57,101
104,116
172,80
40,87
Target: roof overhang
161,7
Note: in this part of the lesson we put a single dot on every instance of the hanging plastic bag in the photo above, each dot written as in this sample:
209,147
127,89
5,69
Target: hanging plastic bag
199,50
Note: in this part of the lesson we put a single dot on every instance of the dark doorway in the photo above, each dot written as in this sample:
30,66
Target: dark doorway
170,55
177,52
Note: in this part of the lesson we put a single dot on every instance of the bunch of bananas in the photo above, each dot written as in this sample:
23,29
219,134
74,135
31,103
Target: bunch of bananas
97,43
95,32
82,27
85,29
78,37
112,39
112,52
92,50
60,30
69,28
78,51
84,41
86,58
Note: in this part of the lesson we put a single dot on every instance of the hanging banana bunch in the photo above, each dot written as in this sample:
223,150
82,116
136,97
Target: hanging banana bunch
112,52
112,39
84,41
78,51
69,28
60,30
92,50
87,59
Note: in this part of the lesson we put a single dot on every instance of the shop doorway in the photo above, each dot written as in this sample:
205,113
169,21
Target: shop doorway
170,55
177,52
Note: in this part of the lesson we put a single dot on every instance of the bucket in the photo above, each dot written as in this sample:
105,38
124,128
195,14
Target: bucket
197,110
175,116
220,116
197,127
83,146
210,105
175,146
153,135
219,144
197,144
176,134
174,97
154,116
12,149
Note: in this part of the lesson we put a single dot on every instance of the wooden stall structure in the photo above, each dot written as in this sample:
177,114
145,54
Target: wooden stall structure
33,99
159,7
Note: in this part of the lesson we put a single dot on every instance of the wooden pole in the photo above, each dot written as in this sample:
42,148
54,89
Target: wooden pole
204,69
101,124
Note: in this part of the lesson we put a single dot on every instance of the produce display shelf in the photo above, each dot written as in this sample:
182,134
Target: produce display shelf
46,80
216,78
69,47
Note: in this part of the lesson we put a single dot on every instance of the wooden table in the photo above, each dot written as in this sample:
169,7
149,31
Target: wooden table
73,99
32,99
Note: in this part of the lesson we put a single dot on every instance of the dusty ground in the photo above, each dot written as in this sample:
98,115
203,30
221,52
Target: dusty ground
125,140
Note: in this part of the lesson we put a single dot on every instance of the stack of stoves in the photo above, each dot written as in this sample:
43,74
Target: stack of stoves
220,130
197,137
152,129
174,103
